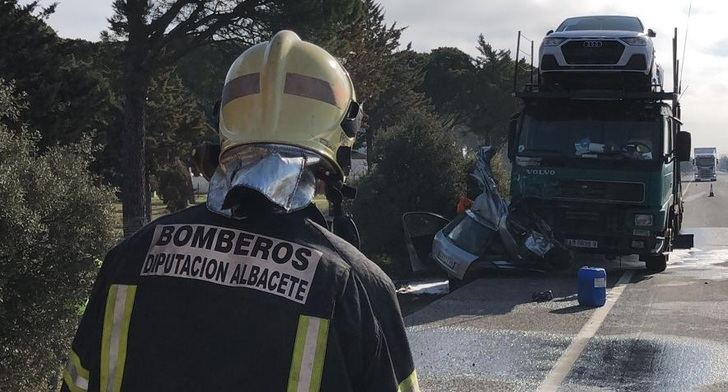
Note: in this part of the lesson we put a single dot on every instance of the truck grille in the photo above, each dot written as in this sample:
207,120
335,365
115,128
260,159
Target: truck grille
592,52
629,192
583,220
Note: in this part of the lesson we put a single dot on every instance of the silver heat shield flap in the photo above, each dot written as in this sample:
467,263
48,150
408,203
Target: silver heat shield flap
283,174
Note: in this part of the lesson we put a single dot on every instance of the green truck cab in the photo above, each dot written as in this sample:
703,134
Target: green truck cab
603,172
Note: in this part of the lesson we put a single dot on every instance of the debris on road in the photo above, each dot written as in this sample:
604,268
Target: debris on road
423,288
543,296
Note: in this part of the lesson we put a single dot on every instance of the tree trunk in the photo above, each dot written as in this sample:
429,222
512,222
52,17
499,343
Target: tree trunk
134,188
148,196
370,147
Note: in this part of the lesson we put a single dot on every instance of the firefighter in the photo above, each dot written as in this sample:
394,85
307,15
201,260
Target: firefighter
249,292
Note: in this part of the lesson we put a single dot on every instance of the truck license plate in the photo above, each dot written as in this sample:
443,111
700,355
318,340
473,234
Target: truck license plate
582,243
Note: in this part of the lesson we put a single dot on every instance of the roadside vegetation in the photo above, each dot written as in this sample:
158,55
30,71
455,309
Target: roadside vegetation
56,223
64,124
723,163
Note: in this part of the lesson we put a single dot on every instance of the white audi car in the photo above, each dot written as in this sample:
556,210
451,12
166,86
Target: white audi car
583,49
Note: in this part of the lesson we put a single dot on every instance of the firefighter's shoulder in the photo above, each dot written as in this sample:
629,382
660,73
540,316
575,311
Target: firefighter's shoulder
144,235
122,255
369,273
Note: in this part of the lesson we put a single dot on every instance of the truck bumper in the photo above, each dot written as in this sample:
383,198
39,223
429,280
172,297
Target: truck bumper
602,228
612,245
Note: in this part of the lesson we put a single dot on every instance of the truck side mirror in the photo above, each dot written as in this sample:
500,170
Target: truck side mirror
682,149
512,130
549,32
651,33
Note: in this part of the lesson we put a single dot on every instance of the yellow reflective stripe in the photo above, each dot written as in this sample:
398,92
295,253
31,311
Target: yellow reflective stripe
297,353
309,352
320,354
409,384
76,362
119,304
75,375
71,383
106,337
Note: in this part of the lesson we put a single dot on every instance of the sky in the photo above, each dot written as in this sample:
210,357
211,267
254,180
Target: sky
457,23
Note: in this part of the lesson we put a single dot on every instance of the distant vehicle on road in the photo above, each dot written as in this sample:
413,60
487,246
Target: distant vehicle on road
706,162
583,49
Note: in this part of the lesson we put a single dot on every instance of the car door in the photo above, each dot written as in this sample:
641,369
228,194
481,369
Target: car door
419,229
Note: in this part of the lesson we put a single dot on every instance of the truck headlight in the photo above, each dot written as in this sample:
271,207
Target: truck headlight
553,41
635,41
643,220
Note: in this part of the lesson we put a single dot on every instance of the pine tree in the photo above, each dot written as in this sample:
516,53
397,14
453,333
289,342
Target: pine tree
157,34
384,76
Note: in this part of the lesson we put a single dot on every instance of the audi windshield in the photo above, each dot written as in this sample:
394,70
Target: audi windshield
615,23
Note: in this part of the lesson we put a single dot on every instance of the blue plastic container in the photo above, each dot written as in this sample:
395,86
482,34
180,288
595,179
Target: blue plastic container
592,287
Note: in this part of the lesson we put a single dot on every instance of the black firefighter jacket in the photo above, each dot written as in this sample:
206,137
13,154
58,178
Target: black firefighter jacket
196,301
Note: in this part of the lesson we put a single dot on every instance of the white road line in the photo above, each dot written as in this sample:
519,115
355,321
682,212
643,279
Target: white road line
694,196
567,359
687,188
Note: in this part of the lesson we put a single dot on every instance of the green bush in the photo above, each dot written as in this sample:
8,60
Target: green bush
419,168
175,186
502,171
55,225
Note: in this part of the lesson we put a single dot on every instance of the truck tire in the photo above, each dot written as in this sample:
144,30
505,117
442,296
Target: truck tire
656,263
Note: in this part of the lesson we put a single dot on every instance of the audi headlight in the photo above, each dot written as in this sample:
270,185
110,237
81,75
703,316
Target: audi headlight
643,220
635,41
553,41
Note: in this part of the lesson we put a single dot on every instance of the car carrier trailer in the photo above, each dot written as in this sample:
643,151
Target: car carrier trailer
602,167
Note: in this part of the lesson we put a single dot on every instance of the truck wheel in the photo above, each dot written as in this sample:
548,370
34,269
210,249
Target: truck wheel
656,263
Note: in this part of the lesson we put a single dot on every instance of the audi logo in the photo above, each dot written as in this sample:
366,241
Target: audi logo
592,44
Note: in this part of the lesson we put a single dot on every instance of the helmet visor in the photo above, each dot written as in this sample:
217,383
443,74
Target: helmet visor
282,174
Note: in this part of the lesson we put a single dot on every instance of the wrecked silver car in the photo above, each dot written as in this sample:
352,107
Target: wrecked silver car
491,234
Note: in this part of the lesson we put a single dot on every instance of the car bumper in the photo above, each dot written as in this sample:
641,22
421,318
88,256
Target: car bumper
452,259
622,58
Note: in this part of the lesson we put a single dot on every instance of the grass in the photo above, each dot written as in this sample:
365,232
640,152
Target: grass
158,209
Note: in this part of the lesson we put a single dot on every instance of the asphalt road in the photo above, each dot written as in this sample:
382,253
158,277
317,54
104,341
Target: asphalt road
663,332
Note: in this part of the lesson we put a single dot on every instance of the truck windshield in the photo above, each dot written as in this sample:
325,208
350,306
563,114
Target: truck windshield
705,161
591,133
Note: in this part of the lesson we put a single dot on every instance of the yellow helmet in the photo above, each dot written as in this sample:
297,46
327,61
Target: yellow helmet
290,92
